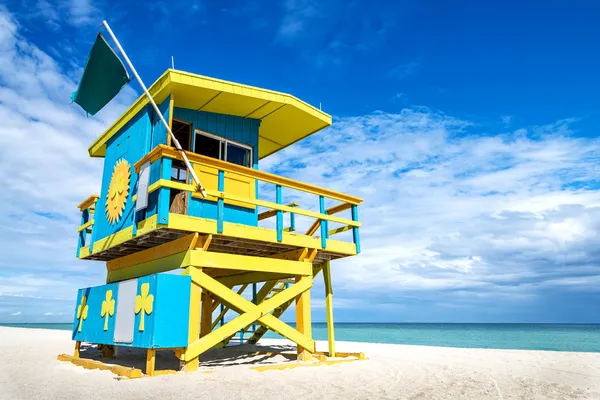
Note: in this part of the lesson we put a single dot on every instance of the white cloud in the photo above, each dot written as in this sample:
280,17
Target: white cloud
298,14
16,313
45,169
49,314
445,211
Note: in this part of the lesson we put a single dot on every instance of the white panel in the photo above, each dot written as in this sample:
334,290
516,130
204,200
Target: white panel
142,194
125,311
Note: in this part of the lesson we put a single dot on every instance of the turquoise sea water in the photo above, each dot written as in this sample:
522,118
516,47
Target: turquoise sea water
558,337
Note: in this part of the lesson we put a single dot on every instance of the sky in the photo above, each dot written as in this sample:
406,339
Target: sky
470,129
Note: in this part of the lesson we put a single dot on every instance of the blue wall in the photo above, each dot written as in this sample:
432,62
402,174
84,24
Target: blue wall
132,142
238,129
165,327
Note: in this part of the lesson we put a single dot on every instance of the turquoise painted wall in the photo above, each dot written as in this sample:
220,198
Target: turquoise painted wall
238,129
165,327
132,142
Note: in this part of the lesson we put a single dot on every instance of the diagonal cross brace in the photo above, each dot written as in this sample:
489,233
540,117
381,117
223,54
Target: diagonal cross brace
249,313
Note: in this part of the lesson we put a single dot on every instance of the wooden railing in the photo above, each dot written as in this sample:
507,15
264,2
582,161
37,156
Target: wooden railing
87,208
162,182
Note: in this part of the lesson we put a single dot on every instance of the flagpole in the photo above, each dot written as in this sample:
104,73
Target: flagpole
167,127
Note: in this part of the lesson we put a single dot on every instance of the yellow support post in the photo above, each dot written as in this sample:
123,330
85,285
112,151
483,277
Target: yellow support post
303,321
77,346
194,325
249,313
150,361
329,307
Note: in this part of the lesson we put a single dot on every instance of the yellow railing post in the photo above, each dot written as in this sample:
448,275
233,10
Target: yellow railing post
329,308
303,320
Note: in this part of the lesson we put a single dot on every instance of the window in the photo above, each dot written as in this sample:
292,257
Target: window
222,149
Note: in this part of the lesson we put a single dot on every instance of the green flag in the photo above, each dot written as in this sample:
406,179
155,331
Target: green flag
103,77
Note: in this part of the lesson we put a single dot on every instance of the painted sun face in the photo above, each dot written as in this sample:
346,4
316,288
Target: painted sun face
118,191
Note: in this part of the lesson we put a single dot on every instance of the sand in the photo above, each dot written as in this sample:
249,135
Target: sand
29,370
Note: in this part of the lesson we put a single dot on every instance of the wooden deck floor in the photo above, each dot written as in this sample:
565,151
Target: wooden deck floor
220,243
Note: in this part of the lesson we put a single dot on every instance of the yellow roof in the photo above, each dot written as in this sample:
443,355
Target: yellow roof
285,119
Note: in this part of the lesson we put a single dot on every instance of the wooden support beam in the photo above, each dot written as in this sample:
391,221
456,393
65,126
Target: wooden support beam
329,308
206,324
194,325
154,253
93,364
272,213
251,277
150,361
303,320
226,309
77,347
330,211
247,263
249,313
175,261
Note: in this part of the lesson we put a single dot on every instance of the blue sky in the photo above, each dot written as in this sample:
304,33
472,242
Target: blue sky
469,129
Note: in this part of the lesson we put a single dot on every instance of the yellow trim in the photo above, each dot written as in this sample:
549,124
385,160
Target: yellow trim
209,226
206,225
200,258
303,318
214,95
84,252
329,308
194,325
87,203
179,260
339,230
86,225
250,277
272,213
165,151
153,253
93,364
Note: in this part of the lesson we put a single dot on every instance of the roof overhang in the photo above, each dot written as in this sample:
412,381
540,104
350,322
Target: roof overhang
284,118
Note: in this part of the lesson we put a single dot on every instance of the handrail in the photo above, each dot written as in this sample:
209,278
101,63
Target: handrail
166,151
333,210
88,202
86,225
262,203
272,213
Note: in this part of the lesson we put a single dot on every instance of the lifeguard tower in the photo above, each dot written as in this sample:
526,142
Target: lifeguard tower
150,221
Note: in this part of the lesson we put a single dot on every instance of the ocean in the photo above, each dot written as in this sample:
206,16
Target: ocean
556,337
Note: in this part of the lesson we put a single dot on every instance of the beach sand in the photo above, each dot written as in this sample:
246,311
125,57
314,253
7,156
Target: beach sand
29,370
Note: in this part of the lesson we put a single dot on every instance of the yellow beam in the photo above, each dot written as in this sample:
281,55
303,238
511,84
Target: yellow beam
150,361
250,277
272,213
249,313
226,308
165,151
339,230
303,320
329,308
89,202
93,364
86,225
333,210
194,324
154,253
145,226
205,225
248,263
179,260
